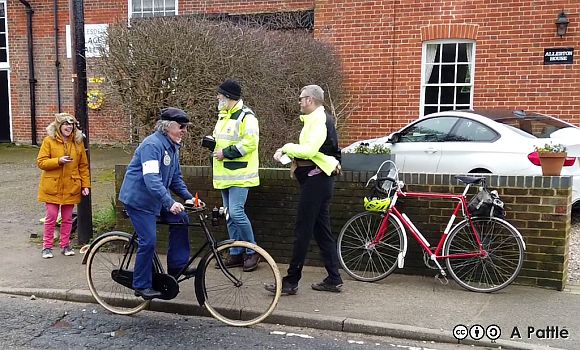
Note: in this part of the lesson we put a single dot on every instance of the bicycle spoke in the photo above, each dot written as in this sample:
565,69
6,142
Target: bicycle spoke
363,258
493,271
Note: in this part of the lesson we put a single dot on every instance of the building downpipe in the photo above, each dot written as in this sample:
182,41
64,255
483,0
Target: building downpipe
31,77
57,61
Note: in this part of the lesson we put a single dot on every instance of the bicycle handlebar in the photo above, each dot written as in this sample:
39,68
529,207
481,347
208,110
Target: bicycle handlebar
193,208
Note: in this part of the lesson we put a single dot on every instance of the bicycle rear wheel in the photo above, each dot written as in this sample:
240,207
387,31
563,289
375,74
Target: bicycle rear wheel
359,256
103,262
496,270
239,300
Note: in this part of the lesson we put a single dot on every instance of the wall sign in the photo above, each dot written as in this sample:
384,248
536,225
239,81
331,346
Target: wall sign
95,36
559,55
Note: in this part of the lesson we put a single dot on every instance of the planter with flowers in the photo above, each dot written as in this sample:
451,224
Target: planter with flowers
365,157
552,157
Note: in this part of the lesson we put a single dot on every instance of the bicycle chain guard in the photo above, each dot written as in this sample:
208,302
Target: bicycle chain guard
162,282
166,284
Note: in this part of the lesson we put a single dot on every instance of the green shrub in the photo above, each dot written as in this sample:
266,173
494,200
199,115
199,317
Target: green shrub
104,220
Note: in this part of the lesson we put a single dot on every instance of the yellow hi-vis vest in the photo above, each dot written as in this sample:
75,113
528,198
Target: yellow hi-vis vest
237,133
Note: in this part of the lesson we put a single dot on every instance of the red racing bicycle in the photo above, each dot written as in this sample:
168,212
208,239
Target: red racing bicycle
481,253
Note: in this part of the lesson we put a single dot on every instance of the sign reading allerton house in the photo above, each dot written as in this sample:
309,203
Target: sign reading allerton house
559,55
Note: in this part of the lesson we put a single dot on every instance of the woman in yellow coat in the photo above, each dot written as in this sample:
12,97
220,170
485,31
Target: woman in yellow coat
65,176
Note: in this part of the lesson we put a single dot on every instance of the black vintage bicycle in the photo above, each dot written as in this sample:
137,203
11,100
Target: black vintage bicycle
231,295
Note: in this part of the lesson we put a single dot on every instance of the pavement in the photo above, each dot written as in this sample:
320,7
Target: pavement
402,306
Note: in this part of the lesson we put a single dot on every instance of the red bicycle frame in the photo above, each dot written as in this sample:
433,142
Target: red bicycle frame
409,226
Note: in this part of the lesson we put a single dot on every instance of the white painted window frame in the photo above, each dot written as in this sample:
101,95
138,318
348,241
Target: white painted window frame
130,9
6,65
424,80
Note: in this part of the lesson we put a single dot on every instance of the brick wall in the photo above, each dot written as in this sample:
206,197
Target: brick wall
105,124
380,45
538,206
381,41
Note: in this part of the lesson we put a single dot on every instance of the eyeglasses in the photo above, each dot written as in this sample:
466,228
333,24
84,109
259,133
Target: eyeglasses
301,98
182,126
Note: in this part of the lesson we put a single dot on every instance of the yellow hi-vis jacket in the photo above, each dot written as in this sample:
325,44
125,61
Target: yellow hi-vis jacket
237,134
312,137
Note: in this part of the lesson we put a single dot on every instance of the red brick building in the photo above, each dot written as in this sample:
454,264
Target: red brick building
402,59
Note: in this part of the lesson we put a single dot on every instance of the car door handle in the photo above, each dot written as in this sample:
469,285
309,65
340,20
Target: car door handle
431,150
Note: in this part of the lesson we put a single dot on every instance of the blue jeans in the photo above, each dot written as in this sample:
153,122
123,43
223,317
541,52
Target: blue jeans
146,228
239,226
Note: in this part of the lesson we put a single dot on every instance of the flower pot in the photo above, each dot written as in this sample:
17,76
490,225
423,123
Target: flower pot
552,163
363,162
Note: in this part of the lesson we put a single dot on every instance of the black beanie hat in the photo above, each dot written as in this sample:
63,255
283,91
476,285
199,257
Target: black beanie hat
230,89
174,114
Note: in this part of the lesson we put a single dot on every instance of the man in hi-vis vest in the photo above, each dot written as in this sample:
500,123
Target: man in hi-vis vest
235,167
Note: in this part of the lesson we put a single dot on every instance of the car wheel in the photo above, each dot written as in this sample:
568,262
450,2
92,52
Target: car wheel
479,171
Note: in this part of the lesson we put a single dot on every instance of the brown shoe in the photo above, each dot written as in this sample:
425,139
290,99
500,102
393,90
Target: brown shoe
251,262
232,261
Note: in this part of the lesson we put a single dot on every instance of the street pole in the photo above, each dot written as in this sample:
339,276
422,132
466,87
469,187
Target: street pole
79,80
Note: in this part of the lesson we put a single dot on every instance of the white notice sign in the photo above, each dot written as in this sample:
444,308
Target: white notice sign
95,35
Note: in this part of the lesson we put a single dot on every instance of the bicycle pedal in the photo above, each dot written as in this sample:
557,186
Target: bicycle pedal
442,279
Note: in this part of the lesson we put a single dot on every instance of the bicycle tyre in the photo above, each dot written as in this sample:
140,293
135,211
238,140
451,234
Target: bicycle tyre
501,266
245,304
104,258
358,257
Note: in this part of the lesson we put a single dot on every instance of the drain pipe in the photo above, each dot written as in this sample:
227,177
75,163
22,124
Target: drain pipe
57,62
31,78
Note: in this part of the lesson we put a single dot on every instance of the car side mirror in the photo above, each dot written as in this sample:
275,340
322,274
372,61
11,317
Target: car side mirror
394,138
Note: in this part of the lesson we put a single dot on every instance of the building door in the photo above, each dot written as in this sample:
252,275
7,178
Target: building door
4,82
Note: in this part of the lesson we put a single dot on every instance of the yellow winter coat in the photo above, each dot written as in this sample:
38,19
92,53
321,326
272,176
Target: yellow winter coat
62,184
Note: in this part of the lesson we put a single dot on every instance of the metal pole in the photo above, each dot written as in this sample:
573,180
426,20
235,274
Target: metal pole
79,79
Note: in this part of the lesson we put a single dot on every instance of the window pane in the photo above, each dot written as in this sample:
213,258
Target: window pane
3,55
433,78
447,94
137,6
2,40
429,110
2,25
2,13
147,14
449,52
432,95
147,5
463,95
446,108
448,74
462,53
170,5
158,5
463,75
430,130
470,130
170,13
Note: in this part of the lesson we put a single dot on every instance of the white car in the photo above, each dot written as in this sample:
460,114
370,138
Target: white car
494,141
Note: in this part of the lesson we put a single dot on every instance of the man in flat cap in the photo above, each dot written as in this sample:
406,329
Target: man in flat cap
235,167
153,172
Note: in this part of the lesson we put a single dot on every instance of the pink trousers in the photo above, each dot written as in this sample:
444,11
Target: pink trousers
50,223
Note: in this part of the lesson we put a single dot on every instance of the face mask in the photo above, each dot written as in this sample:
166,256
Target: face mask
222,105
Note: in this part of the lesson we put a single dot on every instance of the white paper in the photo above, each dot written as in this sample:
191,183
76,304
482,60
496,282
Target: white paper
285,159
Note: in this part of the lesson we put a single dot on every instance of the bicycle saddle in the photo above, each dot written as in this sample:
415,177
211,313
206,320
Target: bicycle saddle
470,179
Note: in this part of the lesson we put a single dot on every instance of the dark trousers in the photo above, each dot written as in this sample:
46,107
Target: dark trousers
313,217
145,225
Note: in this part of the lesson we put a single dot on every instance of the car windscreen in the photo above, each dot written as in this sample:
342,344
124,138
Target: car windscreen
540,127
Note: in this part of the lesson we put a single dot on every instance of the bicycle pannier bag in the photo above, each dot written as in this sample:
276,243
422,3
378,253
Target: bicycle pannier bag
486,204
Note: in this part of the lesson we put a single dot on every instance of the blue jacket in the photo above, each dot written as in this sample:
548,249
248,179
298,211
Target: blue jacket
153,171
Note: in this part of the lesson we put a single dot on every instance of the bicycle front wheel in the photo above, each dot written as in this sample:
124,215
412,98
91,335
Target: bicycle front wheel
360,256
237,297
103,264
498,268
